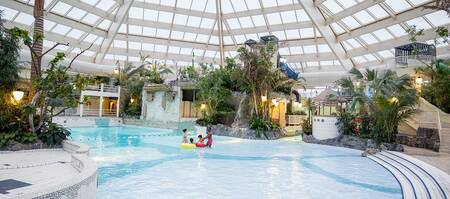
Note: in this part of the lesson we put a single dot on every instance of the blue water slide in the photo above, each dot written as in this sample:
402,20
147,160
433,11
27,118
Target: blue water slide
288,71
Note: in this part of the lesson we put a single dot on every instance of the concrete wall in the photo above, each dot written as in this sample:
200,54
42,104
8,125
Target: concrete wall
324,127
76,121
154,108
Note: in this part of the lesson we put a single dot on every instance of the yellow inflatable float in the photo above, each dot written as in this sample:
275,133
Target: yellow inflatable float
187,146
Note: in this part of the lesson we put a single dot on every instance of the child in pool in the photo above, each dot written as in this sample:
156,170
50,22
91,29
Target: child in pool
209,137
191,140
200,141
184,134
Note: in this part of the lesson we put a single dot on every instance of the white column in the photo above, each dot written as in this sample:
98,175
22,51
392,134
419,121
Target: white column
118,102
81,104
100,110
143,103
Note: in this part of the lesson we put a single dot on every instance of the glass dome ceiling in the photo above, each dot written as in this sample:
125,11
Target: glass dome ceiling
316,35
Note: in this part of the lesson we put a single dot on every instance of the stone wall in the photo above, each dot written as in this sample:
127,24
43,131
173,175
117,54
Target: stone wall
159,107
427,138
353,142
246,133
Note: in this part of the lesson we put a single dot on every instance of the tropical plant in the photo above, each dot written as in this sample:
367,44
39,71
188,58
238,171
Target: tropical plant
346,123
261,126
156,72
438,89
306,126
53,134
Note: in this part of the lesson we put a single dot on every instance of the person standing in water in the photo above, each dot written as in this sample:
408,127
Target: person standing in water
184,134
209,137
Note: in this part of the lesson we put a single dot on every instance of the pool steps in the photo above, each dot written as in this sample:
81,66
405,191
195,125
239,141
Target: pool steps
417,179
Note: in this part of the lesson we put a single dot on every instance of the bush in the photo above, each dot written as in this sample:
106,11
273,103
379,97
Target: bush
299,112
346,123
53,134
261,126
306,126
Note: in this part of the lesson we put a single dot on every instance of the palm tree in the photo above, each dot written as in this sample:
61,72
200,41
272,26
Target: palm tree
156,72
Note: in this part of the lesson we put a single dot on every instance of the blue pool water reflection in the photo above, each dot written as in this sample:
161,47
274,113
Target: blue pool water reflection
137,162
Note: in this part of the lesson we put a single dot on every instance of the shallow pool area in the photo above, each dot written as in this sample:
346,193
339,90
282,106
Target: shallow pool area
138,162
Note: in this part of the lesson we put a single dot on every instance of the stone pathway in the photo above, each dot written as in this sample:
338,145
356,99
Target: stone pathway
438,160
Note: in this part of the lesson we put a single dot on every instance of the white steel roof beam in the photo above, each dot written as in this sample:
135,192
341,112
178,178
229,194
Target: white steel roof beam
352,10
158,7
122,13
327,33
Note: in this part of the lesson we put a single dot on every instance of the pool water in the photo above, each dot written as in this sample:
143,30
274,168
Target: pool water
138,162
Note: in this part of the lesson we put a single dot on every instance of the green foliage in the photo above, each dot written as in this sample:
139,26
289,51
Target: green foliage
392,100
346,123
306,126
10,46
298,112
156,72
261,126
438,89
53,134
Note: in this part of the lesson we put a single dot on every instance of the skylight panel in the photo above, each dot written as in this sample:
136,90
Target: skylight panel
240,39
350,22
8,13
258,20
296,50
163,33
337,28
397,30
160,48
135,30
61,8
104,24
327,63
148,47
253,5
253,36
364,17
199,5
233,23
76,13
90,38
185,4
210,53
170,3
292,34
347,3
133,59
90,2
398,5
239,5
246,22
323,48
309,49
136,13
186,51
180,19
418,2
177,35
419,22
202,38
227,40
284,51
75,33
307,32
370,57
165,17
207,23
359,59
280,35
332,6
227,7
62,47
99,40
378,11
386,54
109,56
354,43
312,63
383,34
269,3
347,46
214,40
301,15
48,44
288,17
134,45
147,31
368,38
105,4
61,29
90,19
194,21
438,18
119,43
48,25
122,28
211,6
151,15
174,50
284,2
274,18
188,36
198,52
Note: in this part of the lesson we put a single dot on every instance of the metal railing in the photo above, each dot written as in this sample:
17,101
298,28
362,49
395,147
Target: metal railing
106,88
294,120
